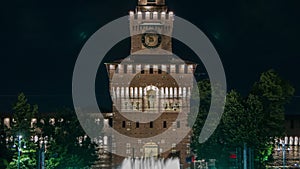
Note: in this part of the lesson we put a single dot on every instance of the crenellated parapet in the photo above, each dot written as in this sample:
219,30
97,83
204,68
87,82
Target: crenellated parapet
161,22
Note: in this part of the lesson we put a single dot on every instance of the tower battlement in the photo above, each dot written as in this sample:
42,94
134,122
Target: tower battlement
161,22
148,15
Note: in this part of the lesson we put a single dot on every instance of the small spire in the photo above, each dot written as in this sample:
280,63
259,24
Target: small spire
152,5
151,2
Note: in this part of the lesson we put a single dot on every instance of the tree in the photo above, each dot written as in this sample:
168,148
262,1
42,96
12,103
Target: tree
241,122
255,120
274,93
23,113
6,154
214,147
68,147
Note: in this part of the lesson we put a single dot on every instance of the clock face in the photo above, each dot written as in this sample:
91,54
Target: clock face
151,40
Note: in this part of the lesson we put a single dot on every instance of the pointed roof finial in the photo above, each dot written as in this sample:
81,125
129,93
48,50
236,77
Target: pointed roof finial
152,5
151,2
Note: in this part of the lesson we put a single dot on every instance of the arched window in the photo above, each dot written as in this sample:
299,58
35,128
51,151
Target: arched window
162,93
166,92
131,92
127,92
105,140
296,143
135,92
180,92
118,92
141,92
184,92
122,91
175,92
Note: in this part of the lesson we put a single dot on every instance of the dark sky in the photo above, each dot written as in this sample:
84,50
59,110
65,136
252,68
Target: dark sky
40,41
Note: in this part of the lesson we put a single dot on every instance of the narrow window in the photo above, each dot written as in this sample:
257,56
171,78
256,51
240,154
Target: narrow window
117,69
110,122
159,71
123,124
185,69
142,69
125,69
137,125
133,69
151,70
177,69
151,124
165,124
178,124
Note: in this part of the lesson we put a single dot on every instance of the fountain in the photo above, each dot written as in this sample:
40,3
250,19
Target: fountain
150,163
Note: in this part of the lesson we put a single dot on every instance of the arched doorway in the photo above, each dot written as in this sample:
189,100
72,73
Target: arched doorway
150,149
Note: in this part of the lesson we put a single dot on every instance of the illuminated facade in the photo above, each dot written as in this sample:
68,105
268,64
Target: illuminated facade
287,149
150,84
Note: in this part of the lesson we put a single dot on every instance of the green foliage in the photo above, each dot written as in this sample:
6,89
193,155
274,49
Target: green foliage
6,154
27,159
204,90
214,147
23,112
64,150
255,120
274,93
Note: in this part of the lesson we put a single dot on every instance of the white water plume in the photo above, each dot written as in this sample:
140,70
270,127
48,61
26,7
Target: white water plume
150,163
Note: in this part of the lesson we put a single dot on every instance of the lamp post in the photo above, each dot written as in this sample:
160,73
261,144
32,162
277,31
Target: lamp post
283,153
19,150
41,158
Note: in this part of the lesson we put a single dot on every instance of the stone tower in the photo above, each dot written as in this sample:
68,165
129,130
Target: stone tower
151,21
150,90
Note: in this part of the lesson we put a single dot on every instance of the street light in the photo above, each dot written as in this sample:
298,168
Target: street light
283,155
41,157
283,152
19,150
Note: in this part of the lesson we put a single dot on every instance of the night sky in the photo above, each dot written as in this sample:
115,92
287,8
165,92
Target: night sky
40,41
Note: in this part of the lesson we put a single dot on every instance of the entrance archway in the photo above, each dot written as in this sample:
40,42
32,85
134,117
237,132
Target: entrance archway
150,149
